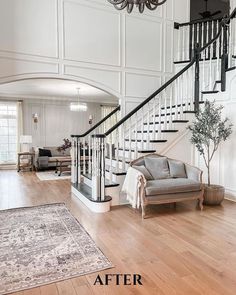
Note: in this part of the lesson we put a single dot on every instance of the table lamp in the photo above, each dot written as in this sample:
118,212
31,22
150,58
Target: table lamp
25,141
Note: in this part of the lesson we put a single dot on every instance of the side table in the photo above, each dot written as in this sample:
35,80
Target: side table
29,164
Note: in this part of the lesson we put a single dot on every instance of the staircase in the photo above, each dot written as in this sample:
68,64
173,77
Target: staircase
205,52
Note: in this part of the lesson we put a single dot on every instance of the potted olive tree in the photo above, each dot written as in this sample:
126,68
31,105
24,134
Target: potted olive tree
208,131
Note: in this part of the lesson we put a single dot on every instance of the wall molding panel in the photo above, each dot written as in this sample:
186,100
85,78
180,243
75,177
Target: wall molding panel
89,41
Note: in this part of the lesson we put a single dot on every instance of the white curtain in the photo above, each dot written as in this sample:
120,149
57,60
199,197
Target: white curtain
106,110
19,123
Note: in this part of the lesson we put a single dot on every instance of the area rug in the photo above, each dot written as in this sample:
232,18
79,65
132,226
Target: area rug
51,175
44,244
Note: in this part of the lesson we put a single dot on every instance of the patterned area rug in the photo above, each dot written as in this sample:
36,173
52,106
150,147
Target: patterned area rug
51,175
44,244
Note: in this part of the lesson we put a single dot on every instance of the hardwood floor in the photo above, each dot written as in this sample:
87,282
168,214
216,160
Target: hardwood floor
177,251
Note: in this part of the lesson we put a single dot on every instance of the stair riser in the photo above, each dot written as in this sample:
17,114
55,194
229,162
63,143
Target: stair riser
87,181
133,154
152,136
114,164
172,126
115,178
114,192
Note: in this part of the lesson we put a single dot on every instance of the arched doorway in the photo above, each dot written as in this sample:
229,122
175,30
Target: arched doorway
45,113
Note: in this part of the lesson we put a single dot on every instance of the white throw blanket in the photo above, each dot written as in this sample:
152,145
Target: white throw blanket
133,185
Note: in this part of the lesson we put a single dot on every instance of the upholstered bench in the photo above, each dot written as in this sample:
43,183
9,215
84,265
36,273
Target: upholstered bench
165,180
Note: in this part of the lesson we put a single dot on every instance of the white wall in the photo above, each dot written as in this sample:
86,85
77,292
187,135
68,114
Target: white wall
223,166
90,41
56,121
224,162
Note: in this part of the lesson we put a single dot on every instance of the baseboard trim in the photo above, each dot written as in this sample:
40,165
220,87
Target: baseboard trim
230,195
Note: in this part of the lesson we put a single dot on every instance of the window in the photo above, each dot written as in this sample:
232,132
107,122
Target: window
8,132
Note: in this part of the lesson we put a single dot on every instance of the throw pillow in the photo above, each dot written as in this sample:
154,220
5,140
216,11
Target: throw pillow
177,169
145,172
44,153
158,167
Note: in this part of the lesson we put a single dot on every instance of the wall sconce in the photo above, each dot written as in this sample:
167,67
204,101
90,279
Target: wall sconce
90,119
35,119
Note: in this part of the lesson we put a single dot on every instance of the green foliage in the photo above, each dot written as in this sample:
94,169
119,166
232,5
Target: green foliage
208,131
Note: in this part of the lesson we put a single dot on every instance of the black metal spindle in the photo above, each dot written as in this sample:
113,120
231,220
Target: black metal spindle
200,36
195,36
224,58
215,43
197,78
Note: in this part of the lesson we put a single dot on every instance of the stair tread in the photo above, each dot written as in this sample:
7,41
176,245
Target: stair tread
141,151
116,171
108,183
173,121
189,112
231,69
181,62
210,92
183,104
86,191
163,131
127,161
153,141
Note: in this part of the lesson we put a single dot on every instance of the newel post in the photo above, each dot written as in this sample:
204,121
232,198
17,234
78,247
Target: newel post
75,160
98,167
197,78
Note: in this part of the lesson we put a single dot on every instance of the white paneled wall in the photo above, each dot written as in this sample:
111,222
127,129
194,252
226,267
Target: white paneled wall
89,41
56,121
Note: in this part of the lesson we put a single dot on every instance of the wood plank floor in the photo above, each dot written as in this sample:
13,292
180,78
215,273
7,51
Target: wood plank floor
177,251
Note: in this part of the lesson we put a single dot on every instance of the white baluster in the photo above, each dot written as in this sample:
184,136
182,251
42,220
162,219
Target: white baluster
230,45
89,155
193,88
179,44
130,137
142,127
210,68
176,98
84,156
73,161
159,122
171,104
165,109
123,146
204,70
148,125
183,44
136,135
110,157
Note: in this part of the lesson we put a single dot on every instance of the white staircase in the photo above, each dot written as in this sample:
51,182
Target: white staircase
100,161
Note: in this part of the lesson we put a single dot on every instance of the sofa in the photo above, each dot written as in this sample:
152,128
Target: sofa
164,180
46,157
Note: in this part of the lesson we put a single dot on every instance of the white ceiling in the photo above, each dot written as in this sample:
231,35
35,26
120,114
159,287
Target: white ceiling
55,89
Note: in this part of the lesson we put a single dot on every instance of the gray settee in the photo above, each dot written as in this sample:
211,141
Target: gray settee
167,180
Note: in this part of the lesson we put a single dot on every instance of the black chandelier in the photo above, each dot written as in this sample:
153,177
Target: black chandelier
150,4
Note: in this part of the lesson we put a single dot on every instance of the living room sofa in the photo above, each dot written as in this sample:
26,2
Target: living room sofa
50,160
164,180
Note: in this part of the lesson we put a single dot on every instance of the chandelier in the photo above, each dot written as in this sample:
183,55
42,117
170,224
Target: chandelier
150,4
78,106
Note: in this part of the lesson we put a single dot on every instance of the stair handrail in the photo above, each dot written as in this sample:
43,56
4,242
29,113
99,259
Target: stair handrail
99,142
175,77
97,124
198,21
